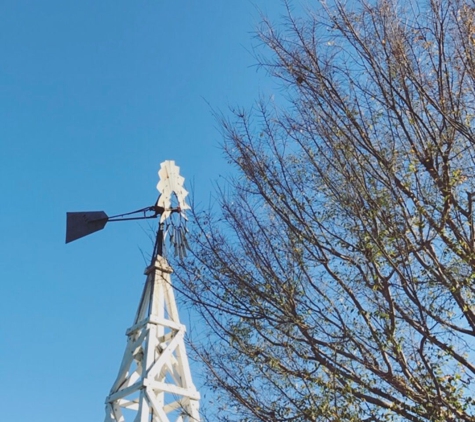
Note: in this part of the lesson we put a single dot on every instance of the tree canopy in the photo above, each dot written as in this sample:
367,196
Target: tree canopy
338,273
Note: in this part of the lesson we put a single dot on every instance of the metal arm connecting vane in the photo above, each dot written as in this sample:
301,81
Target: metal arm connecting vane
84,223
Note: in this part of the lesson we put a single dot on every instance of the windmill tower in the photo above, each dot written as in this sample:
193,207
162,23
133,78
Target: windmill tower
154,382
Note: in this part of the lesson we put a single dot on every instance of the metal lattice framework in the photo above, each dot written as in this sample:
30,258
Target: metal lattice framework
154,382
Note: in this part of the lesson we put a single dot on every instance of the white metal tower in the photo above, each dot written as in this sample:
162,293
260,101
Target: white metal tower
154,382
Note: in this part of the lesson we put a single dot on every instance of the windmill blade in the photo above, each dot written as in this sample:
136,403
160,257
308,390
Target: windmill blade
185,241
80,224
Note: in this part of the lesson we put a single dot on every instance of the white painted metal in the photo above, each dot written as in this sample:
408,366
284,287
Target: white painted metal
171,182
154,383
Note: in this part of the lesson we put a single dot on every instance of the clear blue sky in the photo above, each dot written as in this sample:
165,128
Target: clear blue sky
94,94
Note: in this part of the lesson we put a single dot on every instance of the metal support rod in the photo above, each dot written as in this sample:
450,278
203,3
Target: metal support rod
144,210
158,248
132,218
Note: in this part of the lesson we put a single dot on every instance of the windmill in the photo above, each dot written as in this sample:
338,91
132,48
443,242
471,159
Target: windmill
154,382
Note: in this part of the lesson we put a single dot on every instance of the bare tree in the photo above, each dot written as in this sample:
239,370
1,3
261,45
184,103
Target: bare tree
338,276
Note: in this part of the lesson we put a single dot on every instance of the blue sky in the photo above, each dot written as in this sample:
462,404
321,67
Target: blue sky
94,95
